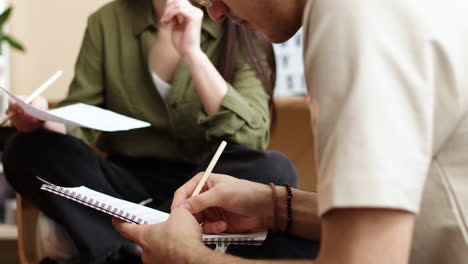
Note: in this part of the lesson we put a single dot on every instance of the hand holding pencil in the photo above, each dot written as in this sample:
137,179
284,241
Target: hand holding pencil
22,121
225,203
207,173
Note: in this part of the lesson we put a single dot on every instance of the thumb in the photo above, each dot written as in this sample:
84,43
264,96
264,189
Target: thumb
127,230
200,202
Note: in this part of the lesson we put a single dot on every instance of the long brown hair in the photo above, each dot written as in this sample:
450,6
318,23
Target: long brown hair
257,49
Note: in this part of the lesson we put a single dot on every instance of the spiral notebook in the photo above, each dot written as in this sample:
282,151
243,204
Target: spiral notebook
140,214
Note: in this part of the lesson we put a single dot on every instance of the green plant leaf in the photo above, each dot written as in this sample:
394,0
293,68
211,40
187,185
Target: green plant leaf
4,16
13,43
4,37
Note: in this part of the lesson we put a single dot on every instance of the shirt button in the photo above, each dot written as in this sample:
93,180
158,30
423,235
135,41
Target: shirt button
253,121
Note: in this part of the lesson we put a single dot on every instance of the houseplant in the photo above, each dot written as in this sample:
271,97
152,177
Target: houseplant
5,37
5,193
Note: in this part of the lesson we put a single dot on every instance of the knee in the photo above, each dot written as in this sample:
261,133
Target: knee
22,151
15,154
18,146
281,169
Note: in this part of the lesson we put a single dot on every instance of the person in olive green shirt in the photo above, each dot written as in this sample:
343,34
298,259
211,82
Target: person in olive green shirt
162,72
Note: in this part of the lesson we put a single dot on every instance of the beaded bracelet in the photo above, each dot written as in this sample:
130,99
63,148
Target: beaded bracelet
288,208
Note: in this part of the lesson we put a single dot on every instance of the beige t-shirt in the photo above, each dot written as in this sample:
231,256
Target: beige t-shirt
391,81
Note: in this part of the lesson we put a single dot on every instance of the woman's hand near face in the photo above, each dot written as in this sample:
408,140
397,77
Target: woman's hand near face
186,21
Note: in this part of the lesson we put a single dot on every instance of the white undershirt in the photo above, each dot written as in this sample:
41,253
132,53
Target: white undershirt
162,86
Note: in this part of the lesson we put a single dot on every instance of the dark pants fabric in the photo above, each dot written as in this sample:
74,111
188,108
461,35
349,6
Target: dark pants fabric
66,161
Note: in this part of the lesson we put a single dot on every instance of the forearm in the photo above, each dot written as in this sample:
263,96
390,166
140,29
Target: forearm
219,258
305,220
210,85
208,256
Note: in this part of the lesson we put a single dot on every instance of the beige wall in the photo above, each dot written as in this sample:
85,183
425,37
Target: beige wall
51,31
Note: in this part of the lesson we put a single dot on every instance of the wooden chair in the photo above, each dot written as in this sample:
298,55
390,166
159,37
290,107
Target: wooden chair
291,134
27,216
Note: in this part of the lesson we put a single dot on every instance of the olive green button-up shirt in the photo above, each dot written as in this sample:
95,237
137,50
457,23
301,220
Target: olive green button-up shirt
112,72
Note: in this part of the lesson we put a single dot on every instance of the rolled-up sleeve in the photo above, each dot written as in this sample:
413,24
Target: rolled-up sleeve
244,114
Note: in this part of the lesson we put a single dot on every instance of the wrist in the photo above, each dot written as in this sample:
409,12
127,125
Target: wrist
280,216
193,55
269,217
199,254
209,256
272,219
57,127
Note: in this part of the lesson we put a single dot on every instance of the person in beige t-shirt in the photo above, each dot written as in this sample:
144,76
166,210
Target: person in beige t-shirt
389,82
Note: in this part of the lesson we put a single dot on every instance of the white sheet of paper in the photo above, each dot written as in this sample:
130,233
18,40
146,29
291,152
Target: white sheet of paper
82,115
97,118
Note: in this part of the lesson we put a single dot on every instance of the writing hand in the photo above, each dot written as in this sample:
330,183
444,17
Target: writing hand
226,204
23,121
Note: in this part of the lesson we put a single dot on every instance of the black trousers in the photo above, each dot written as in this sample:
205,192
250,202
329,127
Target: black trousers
67,161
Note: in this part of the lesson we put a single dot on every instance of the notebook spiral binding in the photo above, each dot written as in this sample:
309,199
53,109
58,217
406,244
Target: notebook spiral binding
96,204
231,241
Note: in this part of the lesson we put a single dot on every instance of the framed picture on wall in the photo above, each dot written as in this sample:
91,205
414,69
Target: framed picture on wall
289,67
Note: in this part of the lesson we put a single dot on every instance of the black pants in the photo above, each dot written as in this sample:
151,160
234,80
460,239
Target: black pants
67,161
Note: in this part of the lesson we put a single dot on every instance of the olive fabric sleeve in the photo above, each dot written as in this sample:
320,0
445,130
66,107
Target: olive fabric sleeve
244,114
87,85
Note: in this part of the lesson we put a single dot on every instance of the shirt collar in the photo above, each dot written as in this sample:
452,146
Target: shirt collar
142,13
